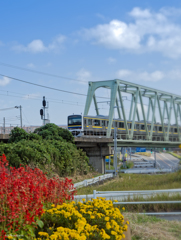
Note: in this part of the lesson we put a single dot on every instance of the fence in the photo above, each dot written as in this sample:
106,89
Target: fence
122,196
93,180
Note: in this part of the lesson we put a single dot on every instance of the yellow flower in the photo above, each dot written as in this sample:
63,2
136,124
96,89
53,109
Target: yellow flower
113,233
106,219
83,199
115,200
123,208
127,222
10,237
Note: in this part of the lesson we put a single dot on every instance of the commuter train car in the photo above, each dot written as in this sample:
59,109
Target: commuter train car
97,126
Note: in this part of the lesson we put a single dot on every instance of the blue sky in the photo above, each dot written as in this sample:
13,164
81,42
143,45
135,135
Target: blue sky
137,41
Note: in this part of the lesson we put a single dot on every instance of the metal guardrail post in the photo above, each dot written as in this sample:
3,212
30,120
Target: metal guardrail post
85,183
94,194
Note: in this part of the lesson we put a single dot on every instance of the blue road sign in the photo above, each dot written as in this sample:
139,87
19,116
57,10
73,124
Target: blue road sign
138,149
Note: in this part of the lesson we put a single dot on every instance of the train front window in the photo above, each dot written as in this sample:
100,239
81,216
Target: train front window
74,120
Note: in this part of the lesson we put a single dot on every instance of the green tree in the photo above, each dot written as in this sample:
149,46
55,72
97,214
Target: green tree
17,134
52,132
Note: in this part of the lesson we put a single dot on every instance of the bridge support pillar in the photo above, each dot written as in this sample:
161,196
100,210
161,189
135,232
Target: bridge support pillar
97,155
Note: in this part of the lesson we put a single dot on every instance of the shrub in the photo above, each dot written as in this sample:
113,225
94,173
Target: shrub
52,132
96,219
23,192
51,156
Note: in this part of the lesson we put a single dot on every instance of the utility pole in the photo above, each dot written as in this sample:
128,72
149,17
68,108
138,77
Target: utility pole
21,122
21,116
4,125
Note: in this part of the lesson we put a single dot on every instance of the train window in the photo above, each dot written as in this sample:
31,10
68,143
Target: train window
84,121
107,123
160,129
137,126
142,127
175,130
130,125
121,124
155,128
103,123
171,129
96,122
89,121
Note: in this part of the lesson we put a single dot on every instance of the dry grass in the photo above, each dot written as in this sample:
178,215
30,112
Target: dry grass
148,154
79,178
151,228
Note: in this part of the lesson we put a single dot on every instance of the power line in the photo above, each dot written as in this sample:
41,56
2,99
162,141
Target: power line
43,86
4,109
39,72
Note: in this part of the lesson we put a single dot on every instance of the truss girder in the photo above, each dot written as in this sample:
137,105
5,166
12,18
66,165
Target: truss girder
156,98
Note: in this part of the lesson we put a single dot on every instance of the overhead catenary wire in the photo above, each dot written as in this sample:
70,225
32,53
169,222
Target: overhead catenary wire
47,87
39,72
4,109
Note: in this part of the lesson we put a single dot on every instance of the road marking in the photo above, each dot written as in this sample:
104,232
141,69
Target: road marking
164,161
169,159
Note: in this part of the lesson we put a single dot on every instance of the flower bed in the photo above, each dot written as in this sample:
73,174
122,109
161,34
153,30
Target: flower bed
96,219
24,193
35,207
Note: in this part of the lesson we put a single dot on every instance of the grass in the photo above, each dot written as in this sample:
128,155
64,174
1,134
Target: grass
137,182
176,155
79,178
148,154
152,228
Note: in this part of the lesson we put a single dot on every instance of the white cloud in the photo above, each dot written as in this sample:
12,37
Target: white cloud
111,60
145,76
125,74
83,75
37,45
149,31
115,35
4,81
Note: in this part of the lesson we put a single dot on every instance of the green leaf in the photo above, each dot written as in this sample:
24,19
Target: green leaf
40,223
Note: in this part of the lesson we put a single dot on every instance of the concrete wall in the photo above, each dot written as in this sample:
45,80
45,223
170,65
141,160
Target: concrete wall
97,155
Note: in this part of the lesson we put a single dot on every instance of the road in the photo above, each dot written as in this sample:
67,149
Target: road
163,161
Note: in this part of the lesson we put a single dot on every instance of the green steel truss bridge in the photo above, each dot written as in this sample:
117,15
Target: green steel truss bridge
167,105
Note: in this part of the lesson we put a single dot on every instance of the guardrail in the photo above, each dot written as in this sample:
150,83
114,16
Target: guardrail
147,192
91,181
133,193
123,195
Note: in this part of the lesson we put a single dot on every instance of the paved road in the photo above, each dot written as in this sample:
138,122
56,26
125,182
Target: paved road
164,160
171,218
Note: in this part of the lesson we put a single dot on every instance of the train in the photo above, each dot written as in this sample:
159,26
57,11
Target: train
97,126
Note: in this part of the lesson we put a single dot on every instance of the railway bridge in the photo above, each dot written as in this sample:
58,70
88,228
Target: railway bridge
152,120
